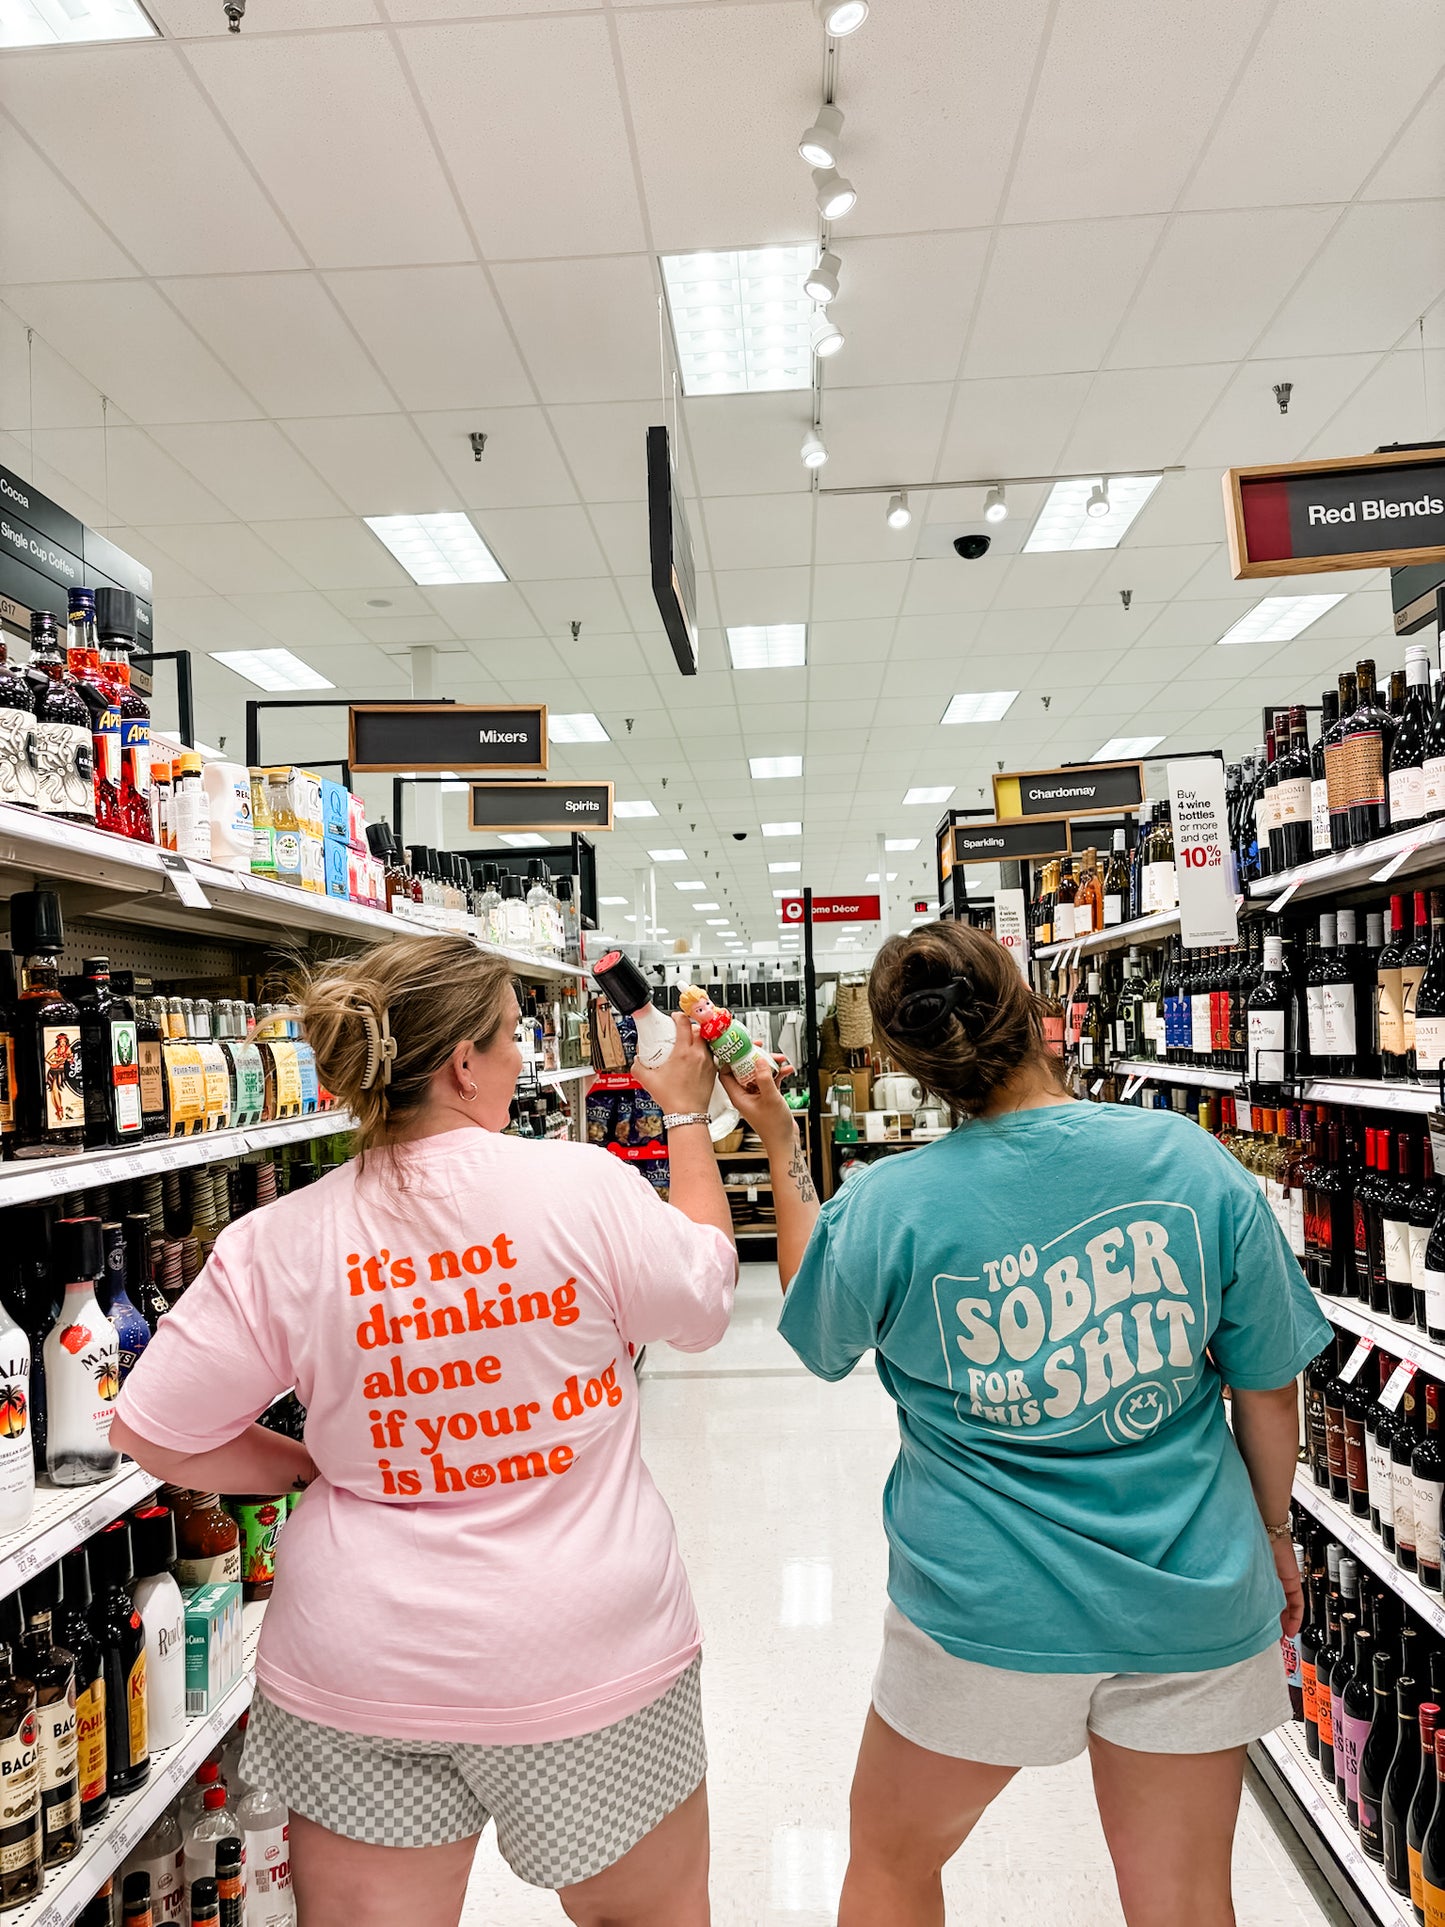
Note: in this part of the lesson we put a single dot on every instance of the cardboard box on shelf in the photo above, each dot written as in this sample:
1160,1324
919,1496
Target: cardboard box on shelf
213,1645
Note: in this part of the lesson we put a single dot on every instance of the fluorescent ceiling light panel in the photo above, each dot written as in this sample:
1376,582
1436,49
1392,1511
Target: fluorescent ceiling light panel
784,869
989,706
583,727
900,842
269,668
782,829
769,645
791,891
706,906
526,840
659,931
741,320
639,807
1280,618
937,793
719,923
612,902
696,884
1118,748
872,876
436,549
668,856
1064,521
763,767
53,23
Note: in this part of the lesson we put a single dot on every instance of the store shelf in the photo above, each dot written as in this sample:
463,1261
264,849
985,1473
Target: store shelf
1369,1093
1400,1341
68,1888
1418,849
65,1517
1142,930
573,1076
1355,1535
1289,1771
20,1182
127,881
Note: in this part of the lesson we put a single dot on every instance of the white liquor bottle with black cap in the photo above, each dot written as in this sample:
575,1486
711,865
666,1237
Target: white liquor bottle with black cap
628,992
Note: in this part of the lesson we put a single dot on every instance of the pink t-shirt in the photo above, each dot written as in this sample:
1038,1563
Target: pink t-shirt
484,1557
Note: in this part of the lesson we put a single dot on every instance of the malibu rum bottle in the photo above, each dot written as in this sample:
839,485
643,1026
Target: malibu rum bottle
50,1094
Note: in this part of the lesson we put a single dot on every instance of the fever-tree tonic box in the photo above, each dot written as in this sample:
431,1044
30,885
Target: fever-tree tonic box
213,1645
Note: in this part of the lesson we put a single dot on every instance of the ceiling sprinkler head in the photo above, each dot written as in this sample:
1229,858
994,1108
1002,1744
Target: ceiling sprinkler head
1126,596
477,437
235,13
576,631
1282,392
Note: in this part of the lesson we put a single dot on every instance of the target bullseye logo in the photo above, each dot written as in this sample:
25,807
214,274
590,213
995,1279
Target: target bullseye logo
793,910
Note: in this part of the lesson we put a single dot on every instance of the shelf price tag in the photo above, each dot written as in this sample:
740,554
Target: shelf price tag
1282,899
1397,1382
1350,1371
186,884
1384,875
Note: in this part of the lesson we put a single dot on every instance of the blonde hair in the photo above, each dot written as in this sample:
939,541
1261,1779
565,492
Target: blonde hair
384,1022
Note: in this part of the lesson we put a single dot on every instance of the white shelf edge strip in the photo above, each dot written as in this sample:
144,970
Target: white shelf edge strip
1369,1093
1329,871
1301,1776
565,1077
52,1177
68,1889
1115,935
1400,1341
1357,1537
24,1553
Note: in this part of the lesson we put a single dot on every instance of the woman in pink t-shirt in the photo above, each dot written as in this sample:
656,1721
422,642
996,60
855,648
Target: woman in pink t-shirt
480,1611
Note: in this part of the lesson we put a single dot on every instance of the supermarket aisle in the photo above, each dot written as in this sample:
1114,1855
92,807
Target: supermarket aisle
775,1480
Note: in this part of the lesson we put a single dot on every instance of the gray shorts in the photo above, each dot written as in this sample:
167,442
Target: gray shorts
1001,1718
565,1809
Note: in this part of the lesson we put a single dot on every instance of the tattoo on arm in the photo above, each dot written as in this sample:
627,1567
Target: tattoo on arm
798,1172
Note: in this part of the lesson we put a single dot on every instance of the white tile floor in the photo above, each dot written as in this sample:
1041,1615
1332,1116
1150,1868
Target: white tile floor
775,1481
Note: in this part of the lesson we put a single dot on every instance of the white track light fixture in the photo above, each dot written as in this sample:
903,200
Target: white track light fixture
841,17
995,508
820,284
822,142
836,196
825,335
899,513
1098,502
814,450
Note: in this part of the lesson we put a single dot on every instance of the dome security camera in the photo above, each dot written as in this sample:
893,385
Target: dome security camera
740,836
971,547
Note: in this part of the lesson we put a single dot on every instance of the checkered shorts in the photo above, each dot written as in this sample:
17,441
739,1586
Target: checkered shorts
565,1809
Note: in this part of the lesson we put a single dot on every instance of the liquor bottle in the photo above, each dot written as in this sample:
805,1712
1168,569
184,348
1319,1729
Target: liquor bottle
1427,1479
1377,1753
82,1364
115,622
155,1120
1389,999
109,1060
230,1882
50,1096
141,1288
19,755
1379,1437
1396,1196
1319,788
157,1598
1401,1780
1424,1209
1432,1847
131,1330
1272,1025
121,1636
1412,733
1430,1001
91,682
1402,1455
21,1870
1367,737
17,1457
64,746
51,1671
1422,1805
73,1632
1434,765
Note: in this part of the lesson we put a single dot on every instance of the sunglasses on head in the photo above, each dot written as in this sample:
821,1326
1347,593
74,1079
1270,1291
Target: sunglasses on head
922,1011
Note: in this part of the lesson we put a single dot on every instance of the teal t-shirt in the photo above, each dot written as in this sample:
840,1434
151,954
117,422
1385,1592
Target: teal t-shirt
1040,1289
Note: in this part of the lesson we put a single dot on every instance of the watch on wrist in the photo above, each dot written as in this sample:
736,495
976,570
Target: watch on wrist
1285,1531
674,1120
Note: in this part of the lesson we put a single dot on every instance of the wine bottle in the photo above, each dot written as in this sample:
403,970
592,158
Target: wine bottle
1427,1481
1359,1397
1377,1751
1276,753
1432,1848
1379,1437
1412,732
1358,967
1317,1375
1331,1006
1424,1208
1430,1001
1319,788
1337,768
1311,1638
1271,1010
1325,1663
1401,1779
1342,1675
1116,880
1334,1403
1434,765
1396,1197
1402,1455
1389,999
1367,738
1263,797
1163,880
1064,899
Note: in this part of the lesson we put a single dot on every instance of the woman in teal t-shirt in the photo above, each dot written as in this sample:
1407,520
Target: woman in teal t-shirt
1082,1555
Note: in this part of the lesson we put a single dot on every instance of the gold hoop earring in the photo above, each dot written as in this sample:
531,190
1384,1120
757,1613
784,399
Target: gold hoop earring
469,1097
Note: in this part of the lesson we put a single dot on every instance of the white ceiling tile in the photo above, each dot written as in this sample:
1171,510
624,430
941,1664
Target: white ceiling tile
945,636
163,176
198,19
401,598
386,631
1215,282
952,587
304,620
1415,165
854,528
543,544
1246,425
904,306
378,464
470,9
1049,581
1163,75
336,553
479,85
749,596
594,602
485,611
521,466
1022,632
437,335
308,110
1153,574
605,444
125,465
250,466
283,339
741,443
1382,266
46,231
1015,426
622,530
757,531
589,327
879,435
231,558
845,589
1389,405
1143,418
1317,69
124,338
1090,269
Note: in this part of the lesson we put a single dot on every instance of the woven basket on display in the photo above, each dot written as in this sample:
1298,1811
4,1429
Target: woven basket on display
855,1020
732,1142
